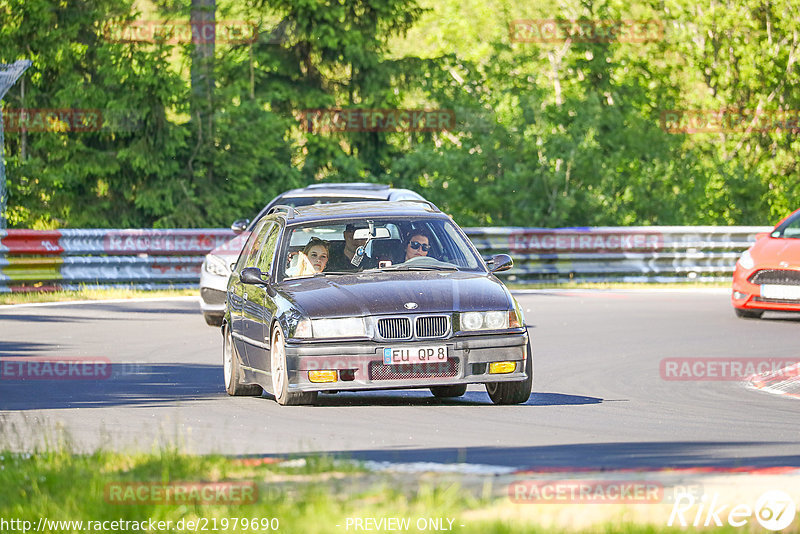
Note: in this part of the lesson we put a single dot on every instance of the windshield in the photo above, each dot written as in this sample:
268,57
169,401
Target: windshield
300,201
407,244
790,228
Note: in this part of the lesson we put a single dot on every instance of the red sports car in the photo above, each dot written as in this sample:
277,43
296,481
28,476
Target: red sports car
767,275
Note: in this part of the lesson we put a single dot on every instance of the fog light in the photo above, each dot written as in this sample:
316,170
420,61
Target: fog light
497,368
322,376
739,295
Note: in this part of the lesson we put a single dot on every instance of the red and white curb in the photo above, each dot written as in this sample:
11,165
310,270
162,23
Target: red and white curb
784,382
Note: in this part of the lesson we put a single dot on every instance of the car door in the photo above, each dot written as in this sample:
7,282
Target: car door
238,292
259,307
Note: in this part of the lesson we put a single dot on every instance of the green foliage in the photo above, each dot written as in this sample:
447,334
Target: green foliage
547,133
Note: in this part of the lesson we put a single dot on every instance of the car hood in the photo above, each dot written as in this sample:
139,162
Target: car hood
383,293
769,252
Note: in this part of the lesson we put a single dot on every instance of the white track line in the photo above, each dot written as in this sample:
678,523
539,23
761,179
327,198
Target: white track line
101,301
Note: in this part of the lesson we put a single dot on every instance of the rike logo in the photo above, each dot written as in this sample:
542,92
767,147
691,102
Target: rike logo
774,510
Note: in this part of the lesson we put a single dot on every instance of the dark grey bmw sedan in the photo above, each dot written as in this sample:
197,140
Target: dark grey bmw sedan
370,295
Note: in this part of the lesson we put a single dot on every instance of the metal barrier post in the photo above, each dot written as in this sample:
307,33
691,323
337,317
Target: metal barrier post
9,74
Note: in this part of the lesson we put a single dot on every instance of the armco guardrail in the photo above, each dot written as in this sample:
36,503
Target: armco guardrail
618,254
153,259
70,259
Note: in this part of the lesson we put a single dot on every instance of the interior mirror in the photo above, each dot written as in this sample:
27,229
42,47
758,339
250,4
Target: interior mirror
239,225
500,262
379,232
252,275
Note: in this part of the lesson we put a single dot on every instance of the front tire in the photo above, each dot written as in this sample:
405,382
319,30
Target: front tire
445,392
513,392
280,374
232,372
748,314
213,319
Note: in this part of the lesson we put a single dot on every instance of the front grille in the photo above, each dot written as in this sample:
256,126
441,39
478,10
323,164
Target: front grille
775,277
394,328
212,296
432,326
776,301
379,371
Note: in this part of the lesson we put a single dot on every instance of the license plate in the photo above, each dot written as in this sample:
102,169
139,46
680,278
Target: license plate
408,355
780,292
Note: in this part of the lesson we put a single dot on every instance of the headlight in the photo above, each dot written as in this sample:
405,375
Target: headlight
303,329
346,327
216,265
495,320
488,320
746,260
471,321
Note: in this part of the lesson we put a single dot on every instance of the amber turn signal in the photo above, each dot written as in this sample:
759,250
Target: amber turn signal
497,368
322,376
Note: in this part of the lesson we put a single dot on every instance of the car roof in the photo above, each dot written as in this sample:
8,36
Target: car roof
347,211
347,185
353,189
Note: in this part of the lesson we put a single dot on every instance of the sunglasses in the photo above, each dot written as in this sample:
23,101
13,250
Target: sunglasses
416,244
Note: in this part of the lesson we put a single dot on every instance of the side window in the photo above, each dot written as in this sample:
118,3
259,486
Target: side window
250,246
268,248
258,244
454,253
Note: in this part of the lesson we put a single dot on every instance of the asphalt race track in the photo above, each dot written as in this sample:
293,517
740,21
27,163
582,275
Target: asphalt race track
600,398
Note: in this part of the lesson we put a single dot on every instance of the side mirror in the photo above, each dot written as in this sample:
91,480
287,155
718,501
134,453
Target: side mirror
252,275
500,262
762,235
239,225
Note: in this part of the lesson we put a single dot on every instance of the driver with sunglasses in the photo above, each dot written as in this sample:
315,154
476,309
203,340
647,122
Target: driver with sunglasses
418,243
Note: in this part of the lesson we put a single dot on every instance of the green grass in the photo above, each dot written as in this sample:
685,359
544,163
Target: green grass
312,497
92,294
316,495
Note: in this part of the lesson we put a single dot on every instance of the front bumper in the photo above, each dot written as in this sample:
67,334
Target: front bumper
213,291
360,364
747,296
